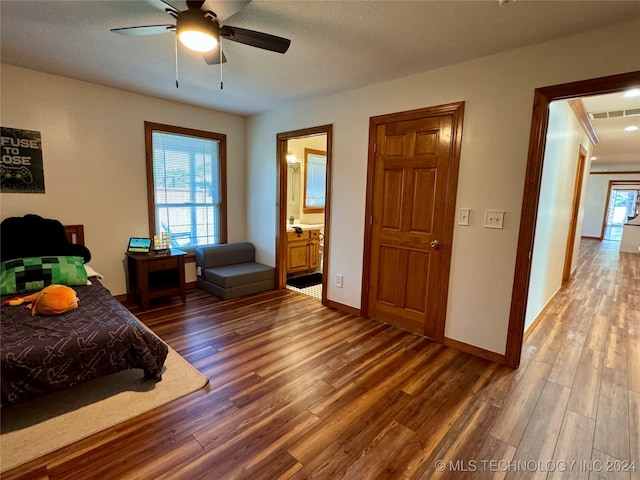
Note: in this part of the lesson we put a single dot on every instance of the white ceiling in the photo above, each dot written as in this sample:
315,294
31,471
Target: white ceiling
617,148
335,45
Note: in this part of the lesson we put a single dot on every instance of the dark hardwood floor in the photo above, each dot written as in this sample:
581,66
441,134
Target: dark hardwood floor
300,391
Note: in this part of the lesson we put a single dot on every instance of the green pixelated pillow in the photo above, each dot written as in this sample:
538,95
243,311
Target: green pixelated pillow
30,274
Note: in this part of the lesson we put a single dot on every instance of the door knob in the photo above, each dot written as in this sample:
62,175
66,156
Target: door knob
435,244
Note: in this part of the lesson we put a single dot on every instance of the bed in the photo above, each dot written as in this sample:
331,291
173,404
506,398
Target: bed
43,354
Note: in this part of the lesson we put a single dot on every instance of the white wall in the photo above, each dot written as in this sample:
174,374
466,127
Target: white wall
564,137
596,200
498,91
94,159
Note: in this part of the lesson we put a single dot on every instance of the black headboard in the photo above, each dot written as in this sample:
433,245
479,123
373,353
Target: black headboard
34,236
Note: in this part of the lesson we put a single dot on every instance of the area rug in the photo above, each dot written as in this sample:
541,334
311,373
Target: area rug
305,281
38,427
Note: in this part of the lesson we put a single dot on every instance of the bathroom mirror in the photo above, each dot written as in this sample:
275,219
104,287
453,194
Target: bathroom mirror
315,174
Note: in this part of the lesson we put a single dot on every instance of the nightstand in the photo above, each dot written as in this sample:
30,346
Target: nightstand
154,275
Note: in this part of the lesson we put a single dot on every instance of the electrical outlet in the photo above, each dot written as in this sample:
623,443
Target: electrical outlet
494,219
463,216
339,281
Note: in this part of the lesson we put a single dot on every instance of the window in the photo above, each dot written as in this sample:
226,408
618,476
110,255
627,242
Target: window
315,180
186,181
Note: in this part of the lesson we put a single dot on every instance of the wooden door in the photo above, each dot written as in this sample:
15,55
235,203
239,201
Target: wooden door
414,179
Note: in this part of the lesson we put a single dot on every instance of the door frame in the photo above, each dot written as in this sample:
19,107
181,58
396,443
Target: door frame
281,207
575,210
531,195
457,111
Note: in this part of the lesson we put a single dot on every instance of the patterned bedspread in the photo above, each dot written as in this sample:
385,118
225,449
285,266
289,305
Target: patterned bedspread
41,354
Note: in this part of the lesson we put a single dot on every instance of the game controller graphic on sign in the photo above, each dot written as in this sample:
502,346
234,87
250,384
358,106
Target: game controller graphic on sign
16,173
21,170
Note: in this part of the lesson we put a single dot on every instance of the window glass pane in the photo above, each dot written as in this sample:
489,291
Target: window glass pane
187,193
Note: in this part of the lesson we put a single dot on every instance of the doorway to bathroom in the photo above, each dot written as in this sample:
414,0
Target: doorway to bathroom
304,160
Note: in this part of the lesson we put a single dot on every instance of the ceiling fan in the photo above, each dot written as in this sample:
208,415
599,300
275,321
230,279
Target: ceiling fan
201,31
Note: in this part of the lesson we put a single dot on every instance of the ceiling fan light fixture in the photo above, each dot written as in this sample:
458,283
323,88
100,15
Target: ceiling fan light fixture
198,41
197,32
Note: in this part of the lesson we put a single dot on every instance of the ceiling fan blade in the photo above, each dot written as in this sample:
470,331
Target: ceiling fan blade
162,5
213,57
226,8
144,30
255,39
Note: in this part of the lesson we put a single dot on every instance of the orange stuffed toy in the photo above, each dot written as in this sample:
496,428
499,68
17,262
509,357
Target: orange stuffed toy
51,300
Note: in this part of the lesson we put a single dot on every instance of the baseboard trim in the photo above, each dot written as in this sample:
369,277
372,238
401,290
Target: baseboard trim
475,351
538,318
344,308
533,325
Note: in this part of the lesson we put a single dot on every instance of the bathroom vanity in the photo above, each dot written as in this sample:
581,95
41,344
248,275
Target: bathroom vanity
303,249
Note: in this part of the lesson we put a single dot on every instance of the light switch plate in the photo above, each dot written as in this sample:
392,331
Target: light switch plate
494,219
463,216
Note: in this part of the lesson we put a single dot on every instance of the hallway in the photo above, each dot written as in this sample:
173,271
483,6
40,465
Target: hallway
579,396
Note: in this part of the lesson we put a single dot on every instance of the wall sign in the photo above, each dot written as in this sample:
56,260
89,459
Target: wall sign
21,170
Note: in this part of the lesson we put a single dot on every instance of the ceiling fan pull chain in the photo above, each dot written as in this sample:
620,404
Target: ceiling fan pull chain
176,53
203,24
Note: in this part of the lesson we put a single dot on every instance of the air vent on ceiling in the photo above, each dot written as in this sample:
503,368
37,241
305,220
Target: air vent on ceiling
615,114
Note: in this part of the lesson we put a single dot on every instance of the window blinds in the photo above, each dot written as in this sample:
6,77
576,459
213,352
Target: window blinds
187,196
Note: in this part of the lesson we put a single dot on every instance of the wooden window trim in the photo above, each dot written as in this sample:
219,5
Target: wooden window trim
149,128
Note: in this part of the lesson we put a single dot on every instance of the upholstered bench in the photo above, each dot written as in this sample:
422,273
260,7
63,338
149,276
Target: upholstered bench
230,270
